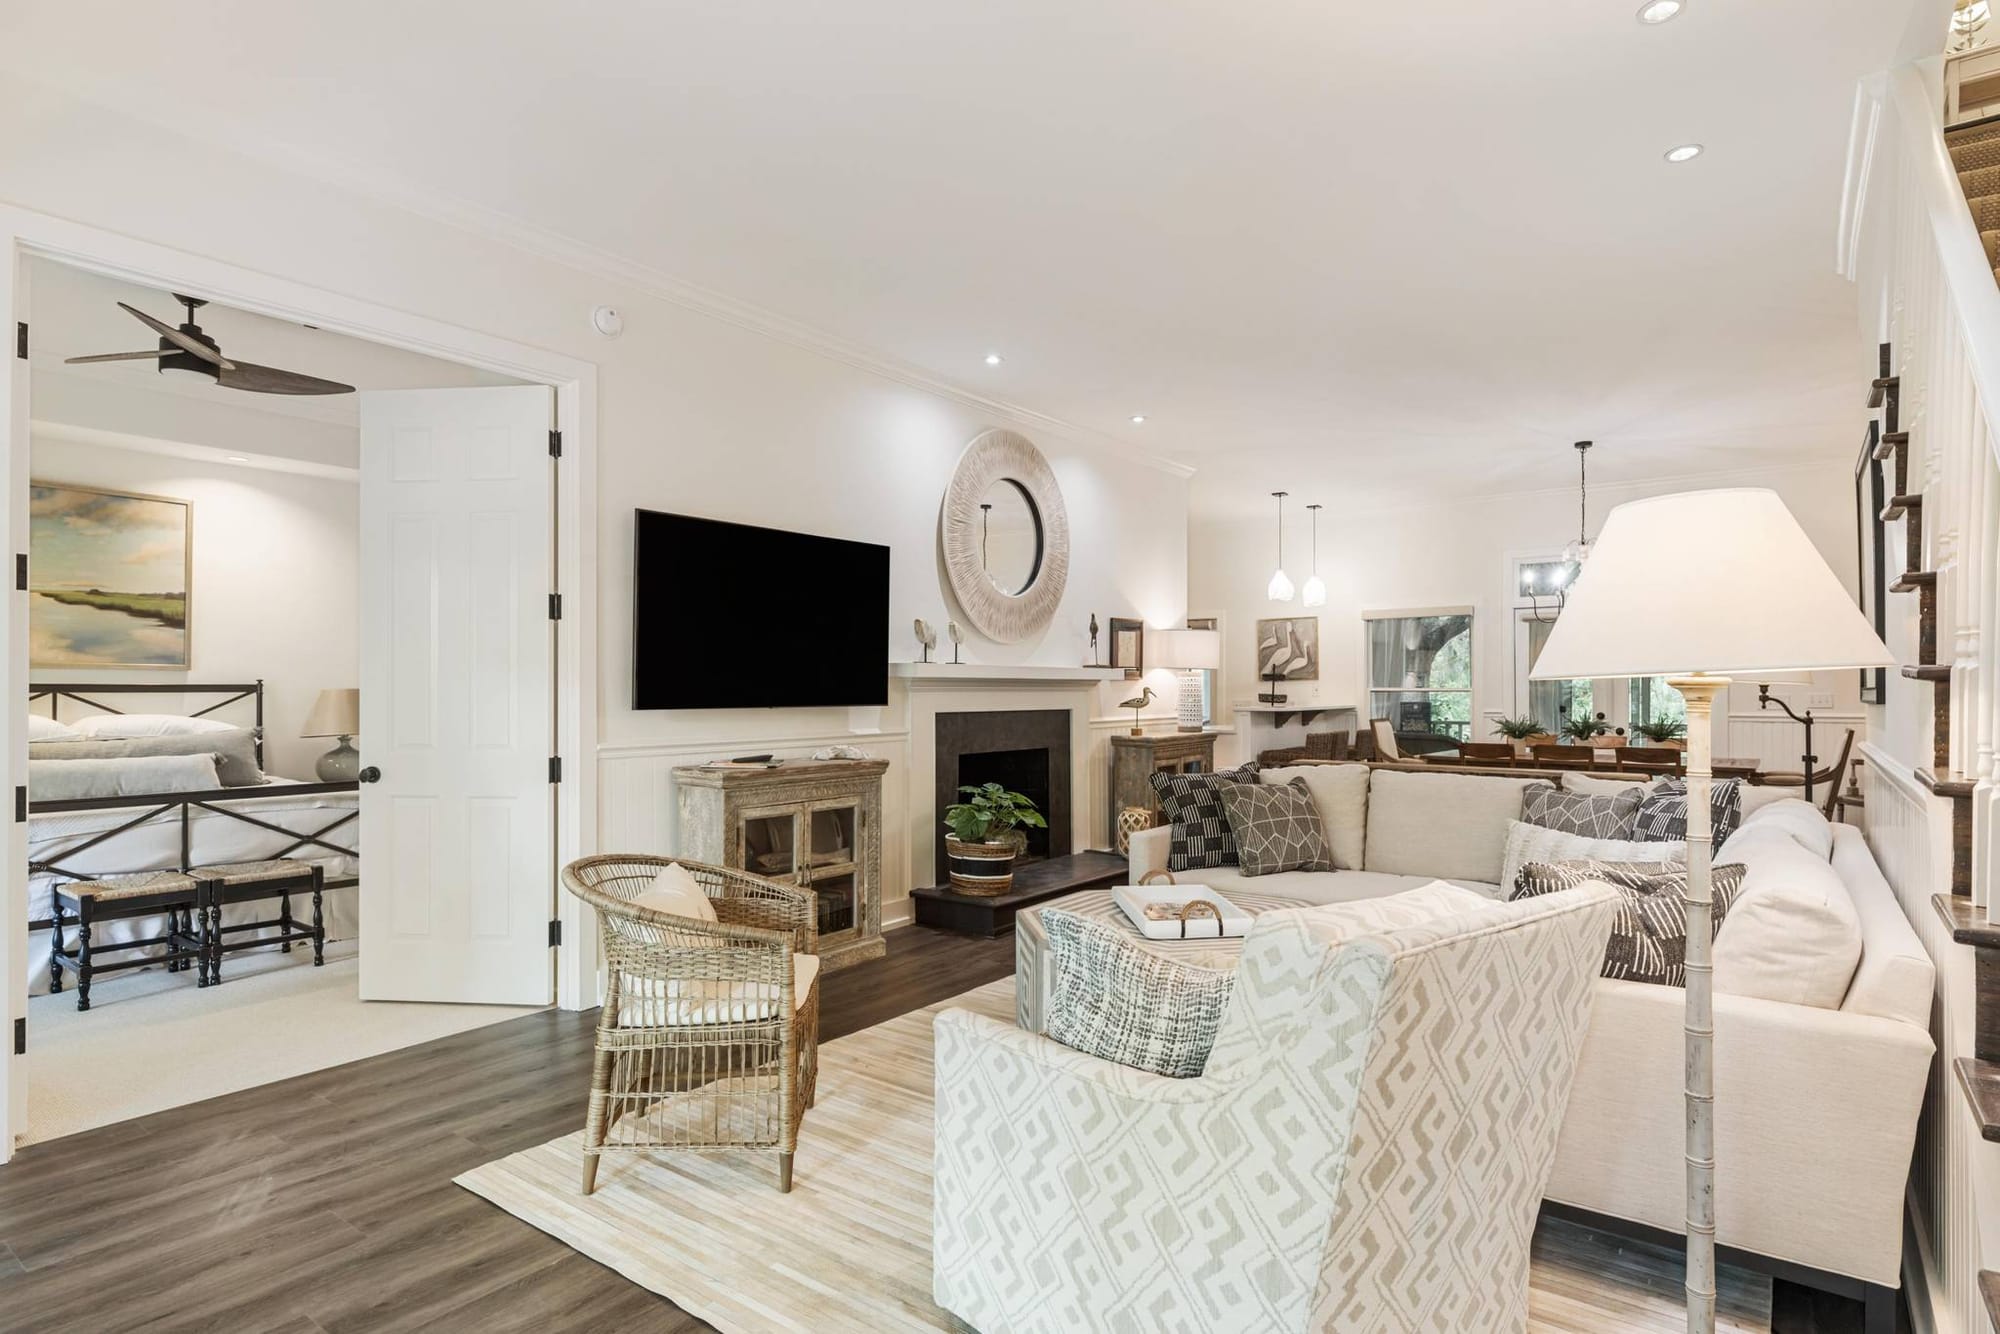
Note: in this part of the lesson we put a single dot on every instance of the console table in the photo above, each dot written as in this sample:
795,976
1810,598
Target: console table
812,823
1135,759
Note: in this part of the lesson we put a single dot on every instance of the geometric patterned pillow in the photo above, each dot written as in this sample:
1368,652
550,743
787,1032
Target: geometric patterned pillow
1193,805
1649,934
1277,827
1663,815
1592,816
1118,1002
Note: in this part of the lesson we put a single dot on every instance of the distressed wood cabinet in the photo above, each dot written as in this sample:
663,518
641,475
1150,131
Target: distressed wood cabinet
1135,759
812,823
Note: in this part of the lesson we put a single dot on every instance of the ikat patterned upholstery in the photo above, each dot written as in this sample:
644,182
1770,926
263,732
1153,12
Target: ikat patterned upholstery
1125,1004
1608,815
1277,827
1362,1151
1663,815
1649,936
1193,805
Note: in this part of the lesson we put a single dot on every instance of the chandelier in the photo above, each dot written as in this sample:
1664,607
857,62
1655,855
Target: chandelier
1542,582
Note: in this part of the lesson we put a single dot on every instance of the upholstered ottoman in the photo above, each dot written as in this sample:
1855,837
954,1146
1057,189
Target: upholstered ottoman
1034,981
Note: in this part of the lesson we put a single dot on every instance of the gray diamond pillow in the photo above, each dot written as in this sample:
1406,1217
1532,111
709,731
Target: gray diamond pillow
1649,934
1122,1003
1591,815
1276,827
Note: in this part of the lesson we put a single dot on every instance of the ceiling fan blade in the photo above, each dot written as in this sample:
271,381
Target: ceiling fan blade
176,337
115,356
270,380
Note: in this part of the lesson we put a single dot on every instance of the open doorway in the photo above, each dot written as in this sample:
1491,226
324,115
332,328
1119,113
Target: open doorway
194,932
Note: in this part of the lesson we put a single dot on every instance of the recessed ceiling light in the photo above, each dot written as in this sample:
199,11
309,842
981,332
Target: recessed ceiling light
1659,11
1138,419
238,458
993,358
1684,153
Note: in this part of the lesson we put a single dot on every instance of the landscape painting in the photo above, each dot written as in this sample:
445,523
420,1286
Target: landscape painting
108,577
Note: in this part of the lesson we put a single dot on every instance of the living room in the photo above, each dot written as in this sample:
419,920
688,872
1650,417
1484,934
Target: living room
1094,405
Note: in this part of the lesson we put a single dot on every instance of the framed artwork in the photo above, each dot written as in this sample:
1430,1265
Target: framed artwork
108,578
1870,498
1288,646
1128,646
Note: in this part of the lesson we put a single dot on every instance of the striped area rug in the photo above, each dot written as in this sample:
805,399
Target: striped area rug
849,1249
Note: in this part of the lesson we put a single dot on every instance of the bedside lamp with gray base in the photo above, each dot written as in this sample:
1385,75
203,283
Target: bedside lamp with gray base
1695,587
336,713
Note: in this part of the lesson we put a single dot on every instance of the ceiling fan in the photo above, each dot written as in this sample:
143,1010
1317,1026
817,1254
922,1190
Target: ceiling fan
190,350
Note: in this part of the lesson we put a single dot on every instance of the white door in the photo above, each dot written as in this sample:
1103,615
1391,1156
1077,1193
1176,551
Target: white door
456,673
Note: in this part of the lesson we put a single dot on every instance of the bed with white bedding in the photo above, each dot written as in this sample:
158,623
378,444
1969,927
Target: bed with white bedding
106,820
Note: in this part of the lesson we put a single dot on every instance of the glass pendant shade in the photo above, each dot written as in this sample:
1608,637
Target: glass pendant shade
1280,588
1315,592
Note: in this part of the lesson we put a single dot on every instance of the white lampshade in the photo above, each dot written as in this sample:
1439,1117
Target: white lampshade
1280,588
1187,650
1314,592
1723,582
334,713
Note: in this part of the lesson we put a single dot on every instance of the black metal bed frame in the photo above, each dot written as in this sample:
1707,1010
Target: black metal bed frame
150,806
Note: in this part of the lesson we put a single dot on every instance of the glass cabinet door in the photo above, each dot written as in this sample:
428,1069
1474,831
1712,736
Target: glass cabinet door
833,864
771,843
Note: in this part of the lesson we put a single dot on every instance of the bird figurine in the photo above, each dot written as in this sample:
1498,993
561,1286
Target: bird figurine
927,637
1093,639
957,638
1136,703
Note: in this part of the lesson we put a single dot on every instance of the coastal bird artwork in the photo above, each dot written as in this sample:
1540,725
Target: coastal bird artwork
957,637
926,636
1136,703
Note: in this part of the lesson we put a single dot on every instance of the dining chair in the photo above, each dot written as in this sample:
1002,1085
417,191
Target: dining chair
1384,734
1486,752
1830,776
1565,757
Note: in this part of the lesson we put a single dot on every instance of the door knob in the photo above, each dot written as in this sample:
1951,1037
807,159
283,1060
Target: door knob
370,775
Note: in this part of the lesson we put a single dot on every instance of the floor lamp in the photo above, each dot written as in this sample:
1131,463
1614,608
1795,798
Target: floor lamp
1695,587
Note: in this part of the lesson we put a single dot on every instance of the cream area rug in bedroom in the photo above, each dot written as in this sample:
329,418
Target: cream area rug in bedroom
153,1039
849,1249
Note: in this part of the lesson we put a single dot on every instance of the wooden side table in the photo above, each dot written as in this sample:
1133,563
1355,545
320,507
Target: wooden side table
1135,759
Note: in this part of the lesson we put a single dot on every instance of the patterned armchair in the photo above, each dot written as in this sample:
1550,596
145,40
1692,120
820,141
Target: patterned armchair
1365,1151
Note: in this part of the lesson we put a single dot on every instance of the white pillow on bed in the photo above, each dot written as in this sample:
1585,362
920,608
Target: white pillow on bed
119,726
48,729
133,776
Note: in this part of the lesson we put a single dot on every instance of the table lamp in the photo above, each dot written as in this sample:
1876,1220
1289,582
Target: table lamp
1694,587
1190,652
336,713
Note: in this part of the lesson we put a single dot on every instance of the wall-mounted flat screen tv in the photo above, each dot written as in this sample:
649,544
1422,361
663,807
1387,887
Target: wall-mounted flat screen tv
730,616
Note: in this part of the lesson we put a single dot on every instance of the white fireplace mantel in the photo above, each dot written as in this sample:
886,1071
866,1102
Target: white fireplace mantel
974,675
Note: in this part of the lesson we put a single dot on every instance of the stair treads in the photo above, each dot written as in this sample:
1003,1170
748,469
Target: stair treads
1979,181
1985,212
1972,154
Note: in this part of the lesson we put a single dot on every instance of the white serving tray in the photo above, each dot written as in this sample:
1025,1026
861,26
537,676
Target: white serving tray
1132,900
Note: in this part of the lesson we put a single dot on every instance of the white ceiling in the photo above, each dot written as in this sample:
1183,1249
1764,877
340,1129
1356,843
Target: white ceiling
1360,250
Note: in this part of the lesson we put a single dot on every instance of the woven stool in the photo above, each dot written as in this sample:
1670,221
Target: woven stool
116,897
245,882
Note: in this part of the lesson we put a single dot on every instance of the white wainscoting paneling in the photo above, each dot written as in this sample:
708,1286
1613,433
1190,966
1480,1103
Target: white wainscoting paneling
1778,743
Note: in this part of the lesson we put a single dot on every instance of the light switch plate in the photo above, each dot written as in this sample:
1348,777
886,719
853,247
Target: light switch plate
1819,699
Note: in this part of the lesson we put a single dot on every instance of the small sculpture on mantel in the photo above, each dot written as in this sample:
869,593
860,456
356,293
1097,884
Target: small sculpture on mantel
926,637
1136,703
1272,696
1093,641
957,638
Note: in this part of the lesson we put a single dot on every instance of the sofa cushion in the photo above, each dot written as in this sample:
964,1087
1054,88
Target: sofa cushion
1443,825
1319,887
1193,806
1532,843
1593,815
1895,978
1663,815
1607,785
1649,935
1800,822
1341,793
1277,827
1116,1000
1794,934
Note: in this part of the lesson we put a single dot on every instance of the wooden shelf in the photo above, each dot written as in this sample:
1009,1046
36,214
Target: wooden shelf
1980,1081
1966,921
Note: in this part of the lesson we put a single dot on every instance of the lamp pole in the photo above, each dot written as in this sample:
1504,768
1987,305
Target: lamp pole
1765,698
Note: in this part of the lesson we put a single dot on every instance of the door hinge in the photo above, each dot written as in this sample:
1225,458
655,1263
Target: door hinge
555,437
21,571
20,805
555,605
555,931
21,1036
555,768
21,339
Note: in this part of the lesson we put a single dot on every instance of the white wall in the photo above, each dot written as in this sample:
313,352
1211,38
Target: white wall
276,581
695,413
1462,556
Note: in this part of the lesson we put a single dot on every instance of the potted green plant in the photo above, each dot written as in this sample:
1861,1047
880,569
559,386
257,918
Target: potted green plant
1518,730
1584,728
985,837
1667,732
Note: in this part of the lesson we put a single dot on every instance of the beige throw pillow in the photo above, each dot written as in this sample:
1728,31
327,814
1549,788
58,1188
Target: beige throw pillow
676,892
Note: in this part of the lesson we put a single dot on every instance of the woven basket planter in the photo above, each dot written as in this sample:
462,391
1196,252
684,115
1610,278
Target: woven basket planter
983,868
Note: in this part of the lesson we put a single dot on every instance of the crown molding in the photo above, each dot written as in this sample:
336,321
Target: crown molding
584,257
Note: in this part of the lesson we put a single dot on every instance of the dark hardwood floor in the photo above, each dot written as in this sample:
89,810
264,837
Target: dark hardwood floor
325,1204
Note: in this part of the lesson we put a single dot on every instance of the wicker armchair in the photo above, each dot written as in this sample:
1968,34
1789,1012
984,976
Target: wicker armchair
705,1041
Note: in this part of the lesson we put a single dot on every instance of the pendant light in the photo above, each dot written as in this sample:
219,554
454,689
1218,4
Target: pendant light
1280,587
1565,575
1314,593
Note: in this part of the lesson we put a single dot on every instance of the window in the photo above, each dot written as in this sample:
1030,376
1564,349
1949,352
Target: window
1624,704
1420,677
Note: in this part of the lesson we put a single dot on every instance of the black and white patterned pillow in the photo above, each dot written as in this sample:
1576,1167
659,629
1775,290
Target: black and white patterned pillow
1126,1004
1193,805
1277,827
1591,815
1649,934
1663,815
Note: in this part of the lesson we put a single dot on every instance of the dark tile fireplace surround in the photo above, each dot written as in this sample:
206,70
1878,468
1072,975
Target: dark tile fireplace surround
1025,750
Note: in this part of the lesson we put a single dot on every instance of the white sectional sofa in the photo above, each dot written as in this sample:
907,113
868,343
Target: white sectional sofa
1816,1103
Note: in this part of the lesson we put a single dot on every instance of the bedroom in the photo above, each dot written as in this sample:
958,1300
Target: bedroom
246,505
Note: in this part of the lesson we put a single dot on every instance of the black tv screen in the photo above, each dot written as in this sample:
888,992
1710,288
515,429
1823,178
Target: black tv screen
729,616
